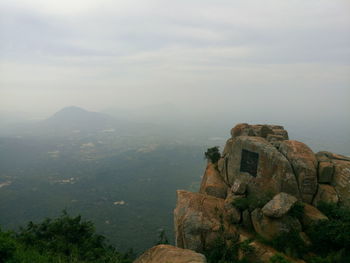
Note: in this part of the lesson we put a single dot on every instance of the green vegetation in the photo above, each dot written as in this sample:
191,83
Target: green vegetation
252,202
290,243
162,238
63,239
221,253
226,250
331,238
297,210
213,154
278,258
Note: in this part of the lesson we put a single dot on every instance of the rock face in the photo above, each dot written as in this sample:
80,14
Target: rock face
258,163
304,164
170,254
212,183
279,205
199,220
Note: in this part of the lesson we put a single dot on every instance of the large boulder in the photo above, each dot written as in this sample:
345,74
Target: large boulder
304,164
260,165
200,220
326,194
212,183
170,254
279,205
269,228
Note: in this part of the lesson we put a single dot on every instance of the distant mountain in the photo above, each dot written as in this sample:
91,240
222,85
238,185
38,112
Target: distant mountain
75,119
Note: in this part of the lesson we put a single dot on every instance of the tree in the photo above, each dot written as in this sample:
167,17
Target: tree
162,238
213,154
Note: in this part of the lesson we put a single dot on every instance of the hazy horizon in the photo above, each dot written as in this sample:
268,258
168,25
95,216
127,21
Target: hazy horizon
251,58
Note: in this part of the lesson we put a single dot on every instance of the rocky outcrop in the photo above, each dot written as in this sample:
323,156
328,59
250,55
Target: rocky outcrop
257,162
170,254
200,220
212,183
304,164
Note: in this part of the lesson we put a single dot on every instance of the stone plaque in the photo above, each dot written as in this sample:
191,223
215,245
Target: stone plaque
249,162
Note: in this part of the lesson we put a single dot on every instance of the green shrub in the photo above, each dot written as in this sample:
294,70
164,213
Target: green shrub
334,257
252,202
278,258
213,154
297,210
334,234
290,243
7,247
220,252
246,248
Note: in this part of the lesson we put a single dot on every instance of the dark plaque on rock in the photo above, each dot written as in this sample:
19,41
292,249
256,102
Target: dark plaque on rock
249,162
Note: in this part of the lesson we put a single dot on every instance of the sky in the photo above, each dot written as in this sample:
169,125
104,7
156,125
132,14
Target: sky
251,56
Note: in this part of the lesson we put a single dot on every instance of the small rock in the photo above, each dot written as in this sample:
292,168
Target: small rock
279,205
239,187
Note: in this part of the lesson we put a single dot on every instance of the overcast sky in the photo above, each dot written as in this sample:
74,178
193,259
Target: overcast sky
241,55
